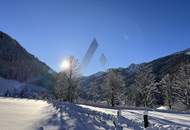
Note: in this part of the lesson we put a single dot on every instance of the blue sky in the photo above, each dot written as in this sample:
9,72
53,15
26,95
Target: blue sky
128,31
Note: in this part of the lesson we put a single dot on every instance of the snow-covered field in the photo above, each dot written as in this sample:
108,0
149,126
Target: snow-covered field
24,114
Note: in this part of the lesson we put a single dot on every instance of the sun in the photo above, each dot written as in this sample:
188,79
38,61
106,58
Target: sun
65,64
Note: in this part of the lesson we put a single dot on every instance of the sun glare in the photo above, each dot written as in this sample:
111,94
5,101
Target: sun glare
65,65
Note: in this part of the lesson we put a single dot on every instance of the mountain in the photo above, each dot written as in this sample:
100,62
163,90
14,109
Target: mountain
18,64
160,67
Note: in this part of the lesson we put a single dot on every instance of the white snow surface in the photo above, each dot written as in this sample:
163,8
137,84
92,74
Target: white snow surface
188,53
163,108
25,114
158,120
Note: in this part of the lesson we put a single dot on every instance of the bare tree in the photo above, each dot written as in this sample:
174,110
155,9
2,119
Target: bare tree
67,81
167,84
145,86
183,85
130,95
113,87
94,92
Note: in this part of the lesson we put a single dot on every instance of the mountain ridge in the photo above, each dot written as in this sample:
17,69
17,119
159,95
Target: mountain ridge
160,67
16,63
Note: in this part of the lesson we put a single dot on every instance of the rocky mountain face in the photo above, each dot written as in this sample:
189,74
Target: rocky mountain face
160,67
17,64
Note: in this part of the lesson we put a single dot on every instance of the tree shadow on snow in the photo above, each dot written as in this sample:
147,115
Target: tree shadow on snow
162,121
71,116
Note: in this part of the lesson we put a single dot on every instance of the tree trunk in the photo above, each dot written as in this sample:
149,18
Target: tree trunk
112,100
169,104
170,97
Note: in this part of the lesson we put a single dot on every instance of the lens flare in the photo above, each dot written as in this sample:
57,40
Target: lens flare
65,65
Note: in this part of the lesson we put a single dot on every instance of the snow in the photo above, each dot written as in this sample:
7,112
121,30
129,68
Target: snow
25,114
188,53
158,120
163,108
161,119
15,89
